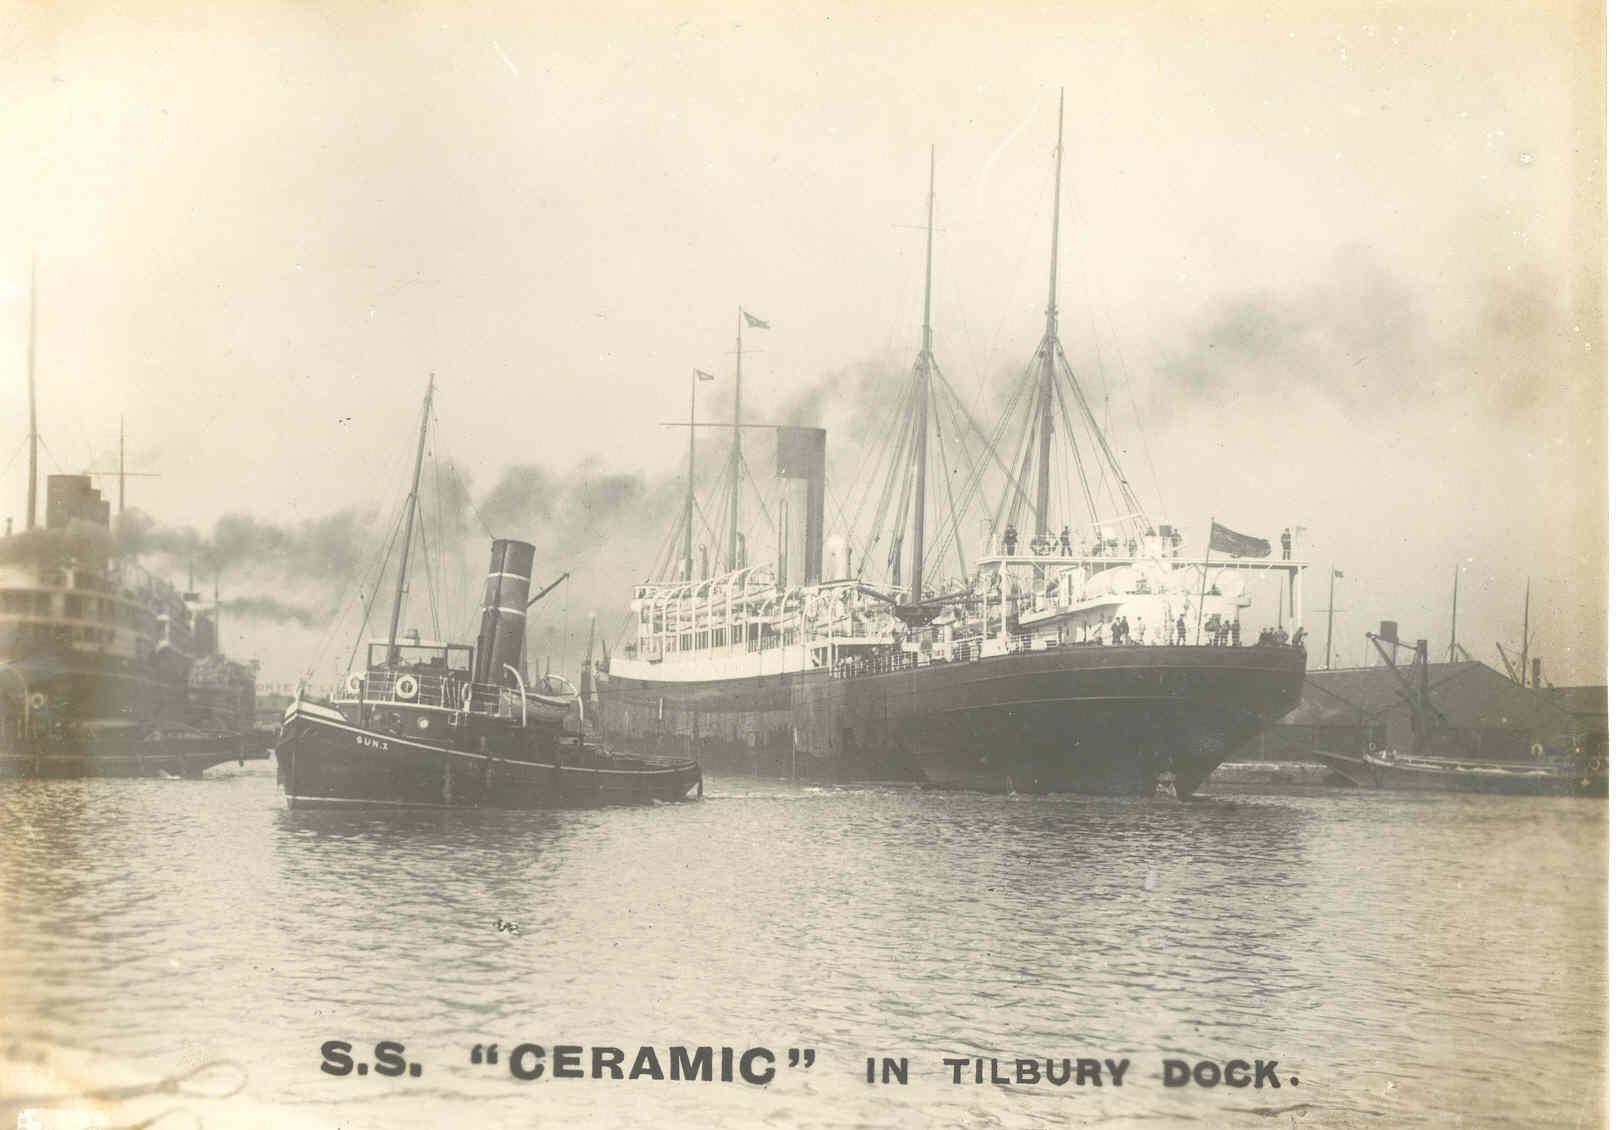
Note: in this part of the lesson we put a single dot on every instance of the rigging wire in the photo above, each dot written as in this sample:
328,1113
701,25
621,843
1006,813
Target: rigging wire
1077,453
887,434
763,506
1104,447
375,588
878,523
431,591
948,481
360,563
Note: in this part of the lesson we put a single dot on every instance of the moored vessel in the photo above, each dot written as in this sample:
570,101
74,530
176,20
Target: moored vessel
98,658
105,669
1102,660
1385,769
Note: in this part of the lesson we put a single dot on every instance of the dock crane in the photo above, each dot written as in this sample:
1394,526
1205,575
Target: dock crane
1417,691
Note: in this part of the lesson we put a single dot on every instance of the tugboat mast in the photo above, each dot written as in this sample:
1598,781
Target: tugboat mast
1046,377
409,526
923,369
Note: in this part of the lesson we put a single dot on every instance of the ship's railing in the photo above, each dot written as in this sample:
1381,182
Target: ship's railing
1033,641
965,651
857,666
443,692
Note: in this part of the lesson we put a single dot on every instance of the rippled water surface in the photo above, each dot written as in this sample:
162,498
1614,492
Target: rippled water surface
1409,960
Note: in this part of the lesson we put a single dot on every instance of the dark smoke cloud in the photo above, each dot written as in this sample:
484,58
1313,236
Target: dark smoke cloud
325,548
270,610
525,495
1353,339
82,541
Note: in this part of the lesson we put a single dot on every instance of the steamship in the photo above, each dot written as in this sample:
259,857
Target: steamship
431,724
1104,660
106,670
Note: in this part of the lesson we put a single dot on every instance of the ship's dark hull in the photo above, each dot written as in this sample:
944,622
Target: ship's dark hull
1086,719
130,755
324,760
1445,777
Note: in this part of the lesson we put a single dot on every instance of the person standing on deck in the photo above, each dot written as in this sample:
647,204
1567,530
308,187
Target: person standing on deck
1181,632
1285,545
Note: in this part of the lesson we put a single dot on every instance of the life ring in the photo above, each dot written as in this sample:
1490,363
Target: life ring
36,701
1596,765
1537,751
356,682
406,686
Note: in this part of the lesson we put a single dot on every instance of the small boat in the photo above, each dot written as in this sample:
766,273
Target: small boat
449,725
1385,769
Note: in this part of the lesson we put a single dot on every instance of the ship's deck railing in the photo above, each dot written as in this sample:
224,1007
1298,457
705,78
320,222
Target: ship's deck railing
440,692
856,666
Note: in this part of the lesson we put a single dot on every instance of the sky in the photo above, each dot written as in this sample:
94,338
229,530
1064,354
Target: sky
1330,266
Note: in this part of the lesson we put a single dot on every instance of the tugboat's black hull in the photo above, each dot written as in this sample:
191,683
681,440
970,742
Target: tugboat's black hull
1110,720
327,761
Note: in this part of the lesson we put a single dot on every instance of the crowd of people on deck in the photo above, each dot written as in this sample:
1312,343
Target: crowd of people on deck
1052,545
1216,632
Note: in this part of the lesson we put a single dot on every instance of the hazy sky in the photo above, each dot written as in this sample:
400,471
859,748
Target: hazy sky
1344,263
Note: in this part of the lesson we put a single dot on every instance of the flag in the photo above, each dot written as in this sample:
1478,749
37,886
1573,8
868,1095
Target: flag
701,376
1227,541
1340,576
754,323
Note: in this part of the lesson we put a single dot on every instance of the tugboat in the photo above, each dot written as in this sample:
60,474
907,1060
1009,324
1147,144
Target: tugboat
431,724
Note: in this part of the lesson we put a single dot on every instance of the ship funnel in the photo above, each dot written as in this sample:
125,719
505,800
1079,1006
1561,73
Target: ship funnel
504,627
800,455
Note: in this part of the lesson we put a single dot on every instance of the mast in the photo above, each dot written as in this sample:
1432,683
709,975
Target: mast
1329,624
690,489
33,418
1046,377
735,460
923,365
1526,622
1453,621
409,526
120,468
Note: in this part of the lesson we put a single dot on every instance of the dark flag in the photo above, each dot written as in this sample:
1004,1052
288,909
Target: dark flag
754,323
701,376
1225,540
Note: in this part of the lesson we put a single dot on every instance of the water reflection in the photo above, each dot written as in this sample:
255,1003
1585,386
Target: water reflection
1399,954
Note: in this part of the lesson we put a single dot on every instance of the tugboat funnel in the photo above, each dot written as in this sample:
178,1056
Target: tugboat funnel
504,626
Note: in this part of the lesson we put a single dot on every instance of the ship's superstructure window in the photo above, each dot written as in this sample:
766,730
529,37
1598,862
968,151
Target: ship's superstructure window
19,602
432,657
